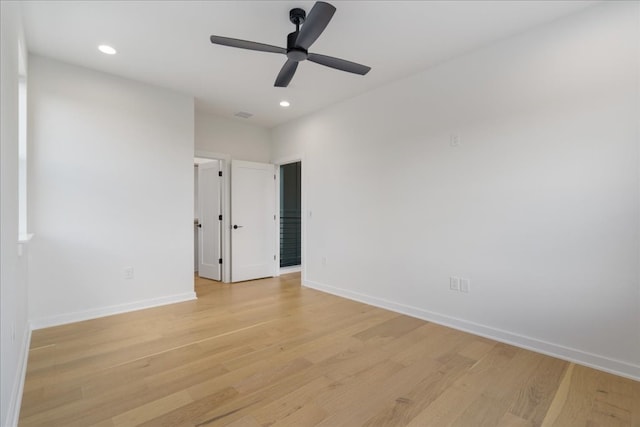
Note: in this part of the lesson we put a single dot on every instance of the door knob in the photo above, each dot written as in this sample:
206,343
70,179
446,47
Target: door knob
237,226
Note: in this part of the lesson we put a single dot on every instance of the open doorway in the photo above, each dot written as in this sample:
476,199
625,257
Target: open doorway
290,217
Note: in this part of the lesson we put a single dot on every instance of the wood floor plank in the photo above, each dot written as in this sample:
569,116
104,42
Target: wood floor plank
406,407
453,402
374,392
510,420
533,399
247,421
153,409
559,399
273,353
484,410
197,408
307,415
280,409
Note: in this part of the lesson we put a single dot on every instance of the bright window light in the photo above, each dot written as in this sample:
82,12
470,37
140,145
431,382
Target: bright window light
284,103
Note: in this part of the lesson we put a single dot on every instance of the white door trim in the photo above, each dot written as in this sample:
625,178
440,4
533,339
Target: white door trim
284,161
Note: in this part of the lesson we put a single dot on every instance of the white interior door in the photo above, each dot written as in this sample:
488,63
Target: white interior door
209,250
253,220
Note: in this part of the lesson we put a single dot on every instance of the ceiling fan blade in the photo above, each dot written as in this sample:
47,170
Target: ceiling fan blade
286,73
339,64
317,20
245,44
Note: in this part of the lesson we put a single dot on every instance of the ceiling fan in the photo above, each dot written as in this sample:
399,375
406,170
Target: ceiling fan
308,29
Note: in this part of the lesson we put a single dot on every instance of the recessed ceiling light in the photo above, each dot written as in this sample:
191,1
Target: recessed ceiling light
106,49
284,103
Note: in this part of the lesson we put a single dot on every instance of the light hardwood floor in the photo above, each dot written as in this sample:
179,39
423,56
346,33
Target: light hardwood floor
271,353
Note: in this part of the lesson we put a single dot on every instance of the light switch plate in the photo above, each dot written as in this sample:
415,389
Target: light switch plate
454,283
464,285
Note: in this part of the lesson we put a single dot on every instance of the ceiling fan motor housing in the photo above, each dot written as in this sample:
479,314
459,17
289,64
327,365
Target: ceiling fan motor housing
295,53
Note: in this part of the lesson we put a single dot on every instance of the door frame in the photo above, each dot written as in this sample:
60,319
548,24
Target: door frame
225,205
303,216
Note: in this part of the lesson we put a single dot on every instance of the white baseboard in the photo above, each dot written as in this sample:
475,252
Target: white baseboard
13,411
292,269
617,367
79,316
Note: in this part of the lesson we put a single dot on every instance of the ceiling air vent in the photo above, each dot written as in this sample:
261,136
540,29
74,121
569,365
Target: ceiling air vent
243,114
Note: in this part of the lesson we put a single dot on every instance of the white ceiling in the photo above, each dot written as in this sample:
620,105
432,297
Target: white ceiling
167,43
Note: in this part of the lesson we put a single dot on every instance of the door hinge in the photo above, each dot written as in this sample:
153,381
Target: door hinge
219,173
274,176
219,260
274,217
219,217
274,257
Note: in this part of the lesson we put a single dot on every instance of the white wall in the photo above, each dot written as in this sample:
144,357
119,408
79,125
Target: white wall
242,141
111,186
14,329
539,206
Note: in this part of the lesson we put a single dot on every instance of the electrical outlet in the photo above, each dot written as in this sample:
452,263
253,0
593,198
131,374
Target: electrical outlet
128,273
464,285
454,140
454,283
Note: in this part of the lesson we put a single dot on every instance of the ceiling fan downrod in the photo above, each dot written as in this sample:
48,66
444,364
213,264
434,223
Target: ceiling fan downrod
297,17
